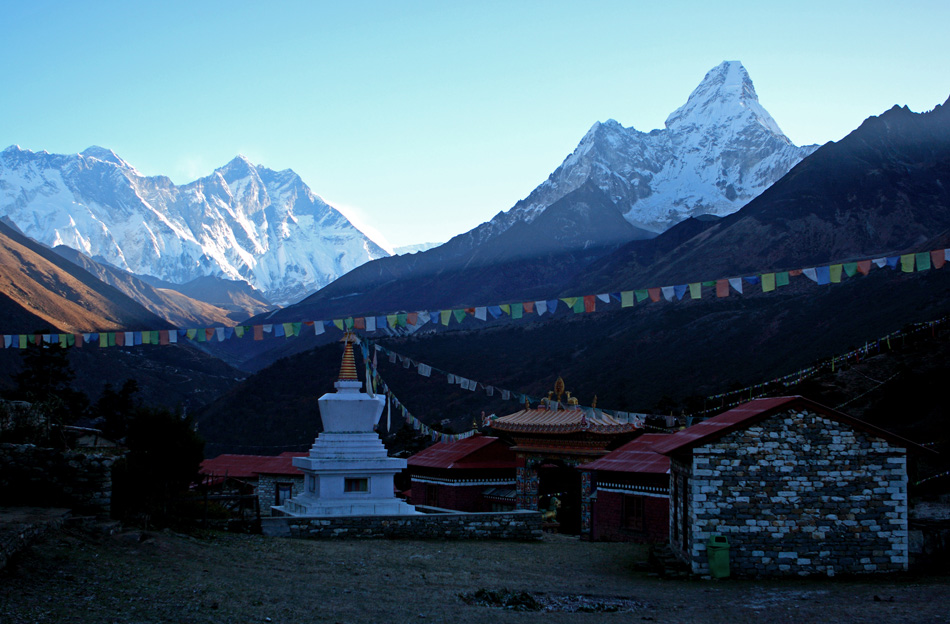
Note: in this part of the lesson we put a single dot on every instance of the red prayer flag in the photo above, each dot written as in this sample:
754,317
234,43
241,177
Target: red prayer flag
359,322
795,272
864,267
412,317
78,339
654,294
163,337
590,303
120,339
258,332
722,288
529,307
937,258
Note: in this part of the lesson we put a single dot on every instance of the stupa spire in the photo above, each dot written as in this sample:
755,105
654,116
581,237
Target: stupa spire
348,367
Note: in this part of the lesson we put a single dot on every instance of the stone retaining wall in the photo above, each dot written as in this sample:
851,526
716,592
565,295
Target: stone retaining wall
515,525
31,475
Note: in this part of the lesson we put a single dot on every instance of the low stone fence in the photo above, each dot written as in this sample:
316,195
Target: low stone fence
32,475
518,525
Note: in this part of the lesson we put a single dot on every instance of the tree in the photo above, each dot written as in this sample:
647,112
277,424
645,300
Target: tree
164,455
45,380
116,409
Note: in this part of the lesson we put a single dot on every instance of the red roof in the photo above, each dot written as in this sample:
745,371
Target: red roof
635,456
565,420
474,452
756,410
250,466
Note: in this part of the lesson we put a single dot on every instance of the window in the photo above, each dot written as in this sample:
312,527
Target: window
356,485
632,516
283,491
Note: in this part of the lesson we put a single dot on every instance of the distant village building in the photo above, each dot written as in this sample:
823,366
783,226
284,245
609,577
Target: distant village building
630,500
551,442
473,474
273,478
796,488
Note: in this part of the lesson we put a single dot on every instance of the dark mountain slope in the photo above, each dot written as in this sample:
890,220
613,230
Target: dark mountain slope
653,357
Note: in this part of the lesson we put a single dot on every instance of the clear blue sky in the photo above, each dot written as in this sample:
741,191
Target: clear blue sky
424,119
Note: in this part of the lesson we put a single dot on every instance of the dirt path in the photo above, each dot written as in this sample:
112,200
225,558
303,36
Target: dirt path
163,577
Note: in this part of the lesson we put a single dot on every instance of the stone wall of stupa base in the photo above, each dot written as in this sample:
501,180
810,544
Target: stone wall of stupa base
514,525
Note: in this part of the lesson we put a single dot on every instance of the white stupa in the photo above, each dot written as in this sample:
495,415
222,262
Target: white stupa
347,472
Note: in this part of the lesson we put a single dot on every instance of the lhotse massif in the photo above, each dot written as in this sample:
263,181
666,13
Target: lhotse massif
242,222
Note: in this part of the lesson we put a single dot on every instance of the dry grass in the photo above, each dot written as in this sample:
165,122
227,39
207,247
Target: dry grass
73,577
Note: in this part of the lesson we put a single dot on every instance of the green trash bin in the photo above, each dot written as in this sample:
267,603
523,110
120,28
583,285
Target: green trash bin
717,549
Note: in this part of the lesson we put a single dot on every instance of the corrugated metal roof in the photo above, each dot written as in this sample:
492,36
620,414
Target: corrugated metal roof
465,453
749,413
567,420
635,456
250,466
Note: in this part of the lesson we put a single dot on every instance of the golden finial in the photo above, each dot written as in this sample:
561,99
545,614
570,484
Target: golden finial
527,405
348,367
559,388
594,402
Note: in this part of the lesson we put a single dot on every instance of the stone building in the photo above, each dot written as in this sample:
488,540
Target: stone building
473,474
273,478
630,493
796,488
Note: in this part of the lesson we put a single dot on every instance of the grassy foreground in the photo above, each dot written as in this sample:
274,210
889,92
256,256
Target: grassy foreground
166,577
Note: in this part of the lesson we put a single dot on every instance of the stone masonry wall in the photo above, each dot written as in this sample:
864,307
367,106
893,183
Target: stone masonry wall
514,525
267,489
802,494
31,475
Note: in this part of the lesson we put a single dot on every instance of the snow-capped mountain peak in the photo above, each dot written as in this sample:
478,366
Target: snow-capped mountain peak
242,222
715,154
726,94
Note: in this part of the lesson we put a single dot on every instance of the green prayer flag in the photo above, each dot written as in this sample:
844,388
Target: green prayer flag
923,261
103,340
347,322
297,327
70,339
781,278
578,305
23,341
401,319
907,263
850,268
695,290
626,299
111,339
517,310
459,315
768,282
203,335
239,330
709,283
641,294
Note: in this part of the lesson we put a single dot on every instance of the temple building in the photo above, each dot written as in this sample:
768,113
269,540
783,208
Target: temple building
347,471
551,441
473,474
